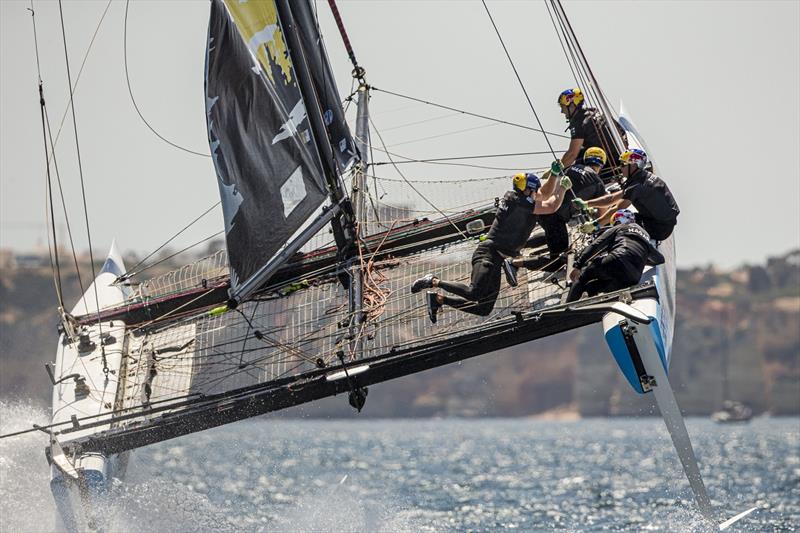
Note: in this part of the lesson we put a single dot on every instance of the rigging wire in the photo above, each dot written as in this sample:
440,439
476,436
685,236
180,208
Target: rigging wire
446,160
522,85
83,188
78,77
464,112
591,87
447,134
130,91
561,42
411,185
132,271
148,267
64,204
53,250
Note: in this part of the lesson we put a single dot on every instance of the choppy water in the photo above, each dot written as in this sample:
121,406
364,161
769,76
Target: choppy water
427,475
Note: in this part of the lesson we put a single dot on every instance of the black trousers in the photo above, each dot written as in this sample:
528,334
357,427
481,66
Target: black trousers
604,274
479,297
555,233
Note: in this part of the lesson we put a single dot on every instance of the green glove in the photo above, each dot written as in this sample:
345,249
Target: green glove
566,182
580,204
589,227
556,169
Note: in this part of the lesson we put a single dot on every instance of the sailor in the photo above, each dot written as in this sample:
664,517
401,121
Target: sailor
587,128
657,209
514,220
586,184
614,260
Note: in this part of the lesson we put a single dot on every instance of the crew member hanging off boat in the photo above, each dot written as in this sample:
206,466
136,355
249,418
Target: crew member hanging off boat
614,260
588,128
657,210
586,184
514,221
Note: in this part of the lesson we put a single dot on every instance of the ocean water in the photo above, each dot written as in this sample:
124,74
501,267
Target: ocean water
426,475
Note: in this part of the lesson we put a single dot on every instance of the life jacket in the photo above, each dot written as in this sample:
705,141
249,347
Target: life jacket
513,223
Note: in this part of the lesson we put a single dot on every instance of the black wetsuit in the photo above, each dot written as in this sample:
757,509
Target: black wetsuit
614,260
657,209
586,185
513,224
591,126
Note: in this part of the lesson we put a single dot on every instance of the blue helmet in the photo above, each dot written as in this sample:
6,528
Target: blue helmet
527,180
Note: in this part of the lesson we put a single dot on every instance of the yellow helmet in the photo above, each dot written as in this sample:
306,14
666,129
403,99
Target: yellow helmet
570,96
526,180
595,156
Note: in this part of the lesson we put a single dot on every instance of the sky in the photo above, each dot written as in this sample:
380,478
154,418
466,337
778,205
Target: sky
712,86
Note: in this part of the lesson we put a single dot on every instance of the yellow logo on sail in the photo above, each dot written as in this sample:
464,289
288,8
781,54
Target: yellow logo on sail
258,23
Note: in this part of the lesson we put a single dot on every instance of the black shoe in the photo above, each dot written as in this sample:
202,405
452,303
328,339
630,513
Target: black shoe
511,272
433,305
425,282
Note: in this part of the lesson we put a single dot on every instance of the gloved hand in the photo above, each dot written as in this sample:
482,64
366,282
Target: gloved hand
589,227
574,273
556,168
580,204
566,182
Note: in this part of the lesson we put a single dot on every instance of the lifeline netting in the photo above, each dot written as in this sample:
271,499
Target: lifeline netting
302,326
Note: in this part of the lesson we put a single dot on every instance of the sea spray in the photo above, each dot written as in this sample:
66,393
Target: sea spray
25,501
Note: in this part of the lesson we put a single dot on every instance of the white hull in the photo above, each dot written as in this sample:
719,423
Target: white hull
87,375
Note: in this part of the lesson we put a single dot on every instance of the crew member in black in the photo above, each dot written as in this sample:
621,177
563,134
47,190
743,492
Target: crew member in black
614,260
586,184
657,209
512,226
587,128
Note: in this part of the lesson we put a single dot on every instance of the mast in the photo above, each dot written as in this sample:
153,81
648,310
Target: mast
359,199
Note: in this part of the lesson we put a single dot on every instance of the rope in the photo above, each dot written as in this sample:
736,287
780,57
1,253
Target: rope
358,72
522,85
130,90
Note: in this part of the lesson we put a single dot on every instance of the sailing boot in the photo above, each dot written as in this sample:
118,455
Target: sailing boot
433,305
510,272
425,282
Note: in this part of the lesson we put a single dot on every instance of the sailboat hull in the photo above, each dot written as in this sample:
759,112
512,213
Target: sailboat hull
86,375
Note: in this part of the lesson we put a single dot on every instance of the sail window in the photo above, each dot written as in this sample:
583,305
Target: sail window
293,191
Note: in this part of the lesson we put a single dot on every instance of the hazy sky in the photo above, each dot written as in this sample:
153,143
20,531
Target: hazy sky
713,87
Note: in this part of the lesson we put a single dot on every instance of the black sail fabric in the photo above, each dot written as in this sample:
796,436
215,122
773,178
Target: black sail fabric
268,166
324,83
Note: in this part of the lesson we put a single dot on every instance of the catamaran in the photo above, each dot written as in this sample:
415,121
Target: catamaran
288,314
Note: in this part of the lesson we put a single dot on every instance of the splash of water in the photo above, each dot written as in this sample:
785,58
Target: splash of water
25,501
173,487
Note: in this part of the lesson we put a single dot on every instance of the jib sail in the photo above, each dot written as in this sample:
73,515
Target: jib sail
270,173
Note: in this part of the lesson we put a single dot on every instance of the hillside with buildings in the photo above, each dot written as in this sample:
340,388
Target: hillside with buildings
737,335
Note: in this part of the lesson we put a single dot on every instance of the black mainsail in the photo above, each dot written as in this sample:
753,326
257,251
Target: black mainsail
269,163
